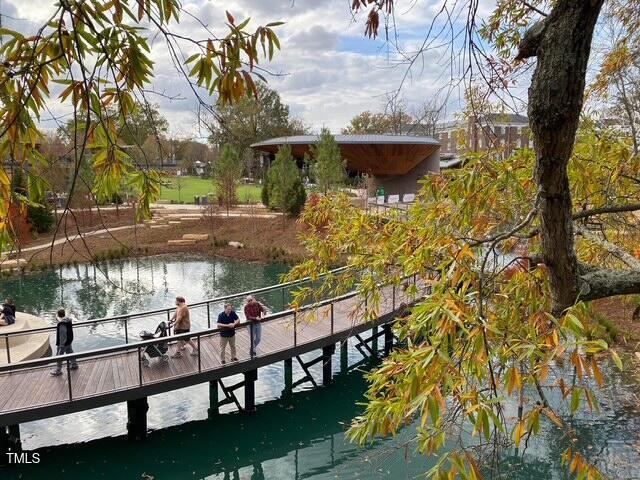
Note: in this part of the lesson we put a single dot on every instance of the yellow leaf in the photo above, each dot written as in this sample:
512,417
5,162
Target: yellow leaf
518,432
597,374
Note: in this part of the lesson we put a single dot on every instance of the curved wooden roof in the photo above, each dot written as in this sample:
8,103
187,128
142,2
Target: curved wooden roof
378,155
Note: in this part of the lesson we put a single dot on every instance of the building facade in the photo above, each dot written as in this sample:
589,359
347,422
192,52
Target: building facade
502,132
394,163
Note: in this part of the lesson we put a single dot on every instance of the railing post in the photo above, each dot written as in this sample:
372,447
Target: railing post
199,356
252,351
126,330
366,306
6,341
282,298
393,296
295,329
168,316
208,315
69,379
331,318
140,364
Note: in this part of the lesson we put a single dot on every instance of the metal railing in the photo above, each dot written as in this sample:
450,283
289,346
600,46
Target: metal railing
70,393
165,313
292,323
390,210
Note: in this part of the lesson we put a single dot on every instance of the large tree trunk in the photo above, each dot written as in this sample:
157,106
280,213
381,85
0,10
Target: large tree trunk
555,101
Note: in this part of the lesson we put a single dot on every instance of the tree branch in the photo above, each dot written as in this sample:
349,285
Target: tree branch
530,42
604,210
616,251
602,283
533,8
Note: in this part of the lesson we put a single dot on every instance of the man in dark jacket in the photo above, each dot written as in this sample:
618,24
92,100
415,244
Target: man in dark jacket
64,339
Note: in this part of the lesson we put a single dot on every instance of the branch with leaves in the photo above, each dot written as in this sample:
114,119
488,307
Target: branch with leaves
98,52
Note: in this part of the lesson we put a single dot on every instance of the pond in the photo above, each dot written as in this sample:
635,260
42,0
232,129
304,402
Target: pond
298,438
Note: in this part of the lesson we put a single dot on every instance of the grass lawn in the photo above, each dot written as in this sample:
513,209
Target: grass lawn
192,186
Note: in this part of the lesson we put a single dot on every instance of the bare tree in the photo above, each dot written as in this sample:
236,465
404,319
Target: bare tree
427,116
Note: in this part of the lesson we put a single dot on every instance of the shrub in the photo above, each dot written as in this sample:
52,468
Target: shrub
40,218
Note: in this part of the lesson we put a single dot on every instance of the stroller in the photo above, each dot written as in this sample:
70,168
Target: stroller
157,350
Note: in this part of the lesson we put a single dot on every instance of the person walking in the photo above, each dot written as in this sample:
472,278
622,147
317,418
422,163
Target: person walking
181,323
254,311
64,339
227,322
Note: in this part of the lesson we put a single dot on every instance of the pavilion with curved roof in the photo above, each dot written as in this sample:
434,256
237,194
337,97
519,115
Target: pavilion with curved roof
395,162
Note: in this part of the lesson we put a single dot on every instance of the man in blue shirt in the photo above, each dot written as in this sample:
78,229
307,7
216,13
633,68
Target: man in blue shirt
227,323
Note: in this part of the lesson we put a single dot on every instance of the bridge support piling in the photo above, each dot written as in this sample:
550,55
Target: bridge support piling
4,446
213,409
250,378
388,339
288,378
14,438
327,353
137,418
344,356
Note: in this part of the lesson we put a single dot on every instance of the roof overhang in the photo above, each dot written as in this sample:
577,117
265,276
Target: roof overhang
375,154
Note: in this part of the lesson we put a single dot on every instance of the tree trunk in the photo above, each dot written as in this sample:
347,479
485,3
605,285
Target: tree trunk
555,102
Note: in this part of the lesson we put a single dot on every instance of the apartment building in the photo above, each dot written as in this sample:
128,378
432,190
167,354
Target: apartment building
505,132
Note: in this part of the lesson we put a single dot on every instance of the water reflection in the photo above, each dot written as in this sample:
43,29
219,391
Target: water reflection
123,286
303,438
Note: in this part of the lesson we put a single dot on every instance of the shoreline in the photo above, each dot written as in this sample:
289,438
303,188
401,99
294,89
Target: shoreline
264,239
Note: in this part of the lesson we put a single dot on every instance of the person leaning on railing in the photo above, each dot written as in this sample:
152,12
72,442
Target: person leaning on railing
227,322
254,311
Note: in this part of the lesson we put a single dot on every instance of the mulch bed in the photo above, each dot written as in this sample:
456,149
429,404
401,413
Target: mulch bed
264,239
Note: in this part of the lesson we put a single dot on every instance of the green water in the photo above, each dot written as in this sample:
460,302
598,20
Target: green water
298,439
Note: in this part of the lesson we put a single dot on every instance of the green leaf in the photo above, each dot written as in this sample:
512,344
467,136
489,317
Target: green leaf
575,399
244,23
192,58
616,359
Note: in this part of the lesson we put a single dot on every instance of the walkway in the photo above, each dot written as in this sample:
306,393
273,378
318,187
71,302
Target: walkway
116,374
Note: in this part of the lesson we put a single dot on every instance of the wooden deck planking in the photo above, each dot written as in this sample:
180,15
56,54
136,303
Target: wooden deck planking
44,392
9,383
12,385
93,382
100,375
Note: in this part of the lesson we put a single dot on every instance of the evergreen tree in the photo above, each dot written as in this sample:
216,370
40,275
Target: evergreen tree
284,188
327,166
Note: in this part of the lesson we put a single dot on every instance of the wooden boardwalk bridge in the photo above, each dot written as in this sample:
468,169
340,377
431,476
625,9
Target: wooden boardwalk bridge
117,374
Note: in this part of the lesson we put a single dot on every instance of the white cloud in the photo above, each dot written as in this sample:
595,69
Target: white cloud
326,72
